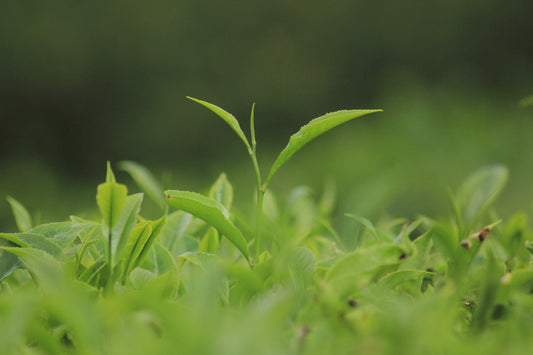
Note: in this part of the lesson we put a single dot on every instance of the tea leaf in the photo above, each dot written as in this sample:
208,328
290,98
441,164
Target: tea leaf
222,191
36,241
157,227
138,237
396,278
363,264
145,180
479,190
211,211
228,117
22,217
210,243
124,225
8,261
111,198
41,264
64,233
310,131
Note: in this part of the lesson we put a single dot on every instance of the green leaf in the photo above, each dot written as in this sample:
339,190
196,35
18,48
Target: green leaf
478,192
396,278
22,217
157,227
145,180
41,264
124,225
110,198
211,211
110,176
368,224
159,260
310,131
360,266
210,242
178,223
222,191
138,237
36,241
141,240
64,233
228,117
8,261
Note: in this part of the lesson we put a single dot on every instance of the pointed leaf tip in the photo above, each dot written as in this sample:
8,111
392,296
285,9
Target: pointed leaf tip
227,117
310,131
110,176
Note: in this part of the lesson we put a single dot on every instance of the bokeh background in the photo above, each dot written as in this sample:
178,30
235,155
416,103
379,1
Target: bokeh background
86,82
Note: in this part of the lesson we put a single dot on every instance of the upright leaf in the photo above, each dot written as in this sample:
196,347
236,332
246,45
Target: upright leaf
145,180
312,130
22,217
228,117
110,176
211,211
110,198
157,227
138,236
178,223
210,242
479,190
222,191
125,223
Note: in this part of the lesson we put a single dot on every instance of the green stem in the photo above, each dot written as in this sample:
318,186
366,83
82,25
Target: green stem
258,219
260,197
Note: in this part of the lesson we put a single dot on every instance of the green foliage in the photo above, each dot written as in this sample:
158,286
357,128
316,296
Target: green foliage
211,211
187,282
22,216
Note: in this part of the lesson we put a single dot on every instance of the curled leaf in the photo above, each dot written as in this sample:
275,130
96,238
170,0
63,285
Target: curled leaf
211,211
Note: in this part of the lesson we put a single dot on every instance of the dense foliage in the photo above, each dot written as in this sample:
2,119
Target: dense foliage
209,278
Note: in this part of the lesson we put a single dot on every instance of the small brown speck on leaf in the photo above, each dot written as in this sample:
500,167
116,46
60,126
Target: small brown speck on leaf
484,234
352,303
403,256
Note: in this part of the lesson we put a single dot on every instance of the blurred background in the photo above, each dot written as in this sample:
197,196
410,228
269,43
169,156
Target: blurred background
86,82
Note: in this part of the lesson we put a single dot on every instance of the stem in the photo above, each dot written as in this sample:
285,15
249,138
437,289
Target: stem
110,262
260,197
260,188
258,218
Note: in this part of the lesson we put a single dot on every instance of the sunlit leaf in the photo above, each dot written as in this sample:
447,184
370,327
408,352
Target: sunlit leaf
310,131
228,117
110,198
211,211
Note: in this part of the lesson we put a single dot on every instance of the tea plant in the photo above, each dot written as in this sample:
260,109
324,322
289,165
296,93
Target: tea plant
187,282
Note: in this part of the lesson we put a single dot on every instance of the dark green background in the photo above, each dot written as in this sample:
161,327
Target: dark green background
86,82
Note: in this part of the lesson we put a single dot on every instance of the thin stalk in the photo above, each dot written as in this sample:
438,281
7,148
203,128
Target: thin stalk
258,217
109,282
260,189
